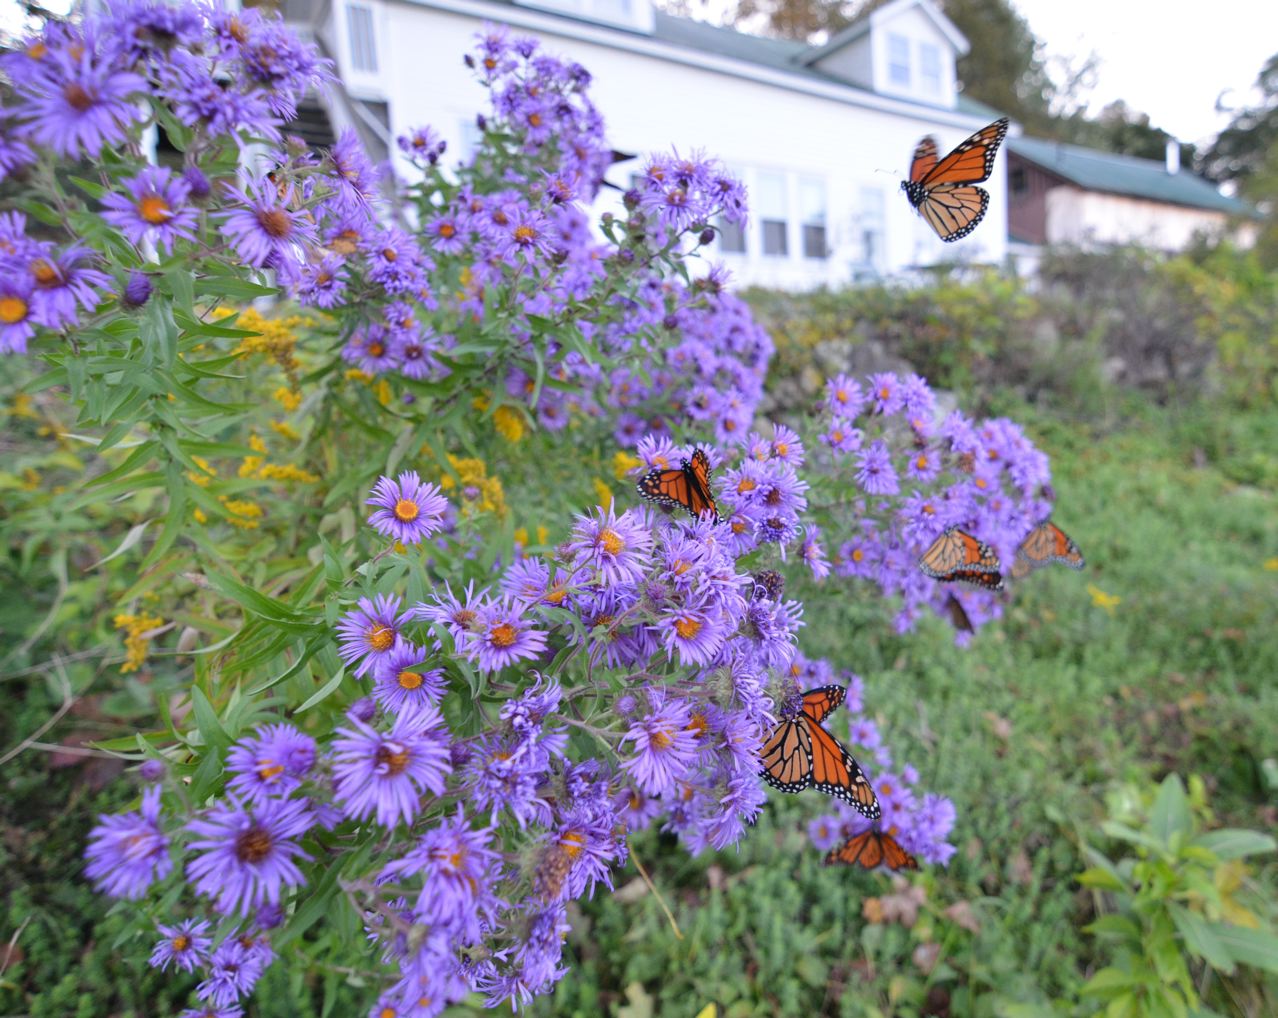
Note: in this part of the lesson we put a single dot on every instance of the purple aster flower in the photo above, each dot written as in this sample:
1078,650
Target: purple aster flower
502,636
424,145
923,465
460,616
185,945
844,397
369,632
373,349
248,854
64,280
826,831
812,554
265,228
841,436
405,681
456,868
152,770
15,154
213,1011
787,446
80,106
618,546
129,851
396,263
665,745
322,284
874,470
155,208
353,171
408,510
271,762
385,774
864,733
137,290
694,633
233,972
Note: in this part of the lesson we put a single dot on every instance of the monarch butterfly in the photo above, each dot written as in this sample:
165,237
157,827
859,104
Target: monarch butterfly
801,754
958,615
942,189
871,849
1049,543
958,556
686,488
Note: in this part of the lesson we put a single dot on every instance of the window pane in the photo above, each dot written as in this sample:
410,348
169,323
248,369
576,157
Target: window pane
770,197
930,67
898,60
732,238
814,241
774,237
812,201
359,22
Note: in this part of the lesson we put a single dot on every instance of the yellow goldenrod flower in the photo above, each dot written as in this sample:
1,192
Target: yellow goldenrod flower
23,406
480,403
30,479
285,430
287,398
543,535
286,472
603,493
509,424
623,463
521,536
200,516
354,374
244,513
1271,564
204,475
138,631
1102,600
382,391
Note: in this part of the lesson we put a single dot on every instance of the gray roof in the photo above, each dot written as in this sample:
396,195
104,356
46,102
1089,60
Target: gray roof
1142,178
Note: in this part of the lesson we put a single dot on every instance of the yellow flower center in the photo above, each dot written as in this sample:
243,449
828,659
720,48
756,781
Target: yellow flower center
46,274
555,595
376,349
447,230
857,555
697,725
253,845
394,757
181,942
782,449
687,628
410,680
746,484
525,234
154,209
275,223
12,309
502,636
77,97
268,769
572,842
380,638
611,541
885,392
661,739
386,1012
406,510
390,254
921,462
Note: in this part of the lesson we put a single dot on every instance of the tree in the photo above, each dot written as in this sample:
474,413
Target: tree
1247,145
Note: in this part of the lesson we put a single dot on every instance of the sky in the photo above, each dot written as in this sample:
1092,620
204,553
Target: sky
1169,59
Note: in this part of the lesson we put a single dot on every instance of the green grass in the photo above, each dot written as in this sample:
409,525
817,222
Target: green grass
1177,514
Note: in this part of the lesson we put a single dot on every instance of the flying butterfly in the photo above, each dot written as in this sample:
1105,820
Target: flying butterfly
1048,543
942,189
801,754
958,556
686,488
958,615
872,849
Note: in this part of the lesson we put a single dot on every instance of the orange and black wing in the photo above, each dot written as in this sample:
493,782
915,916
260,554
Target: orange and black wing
863,848
698,473
972,160
957,550
1049,543
819,702
894,856
954,212
835,773
924,160
975,578
787,756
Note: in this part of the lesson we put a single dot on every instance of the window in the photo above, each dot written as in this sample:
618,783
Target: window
930,68
899,60
471,137
774,213
813,218
1019,180
871,217
359,26
732,239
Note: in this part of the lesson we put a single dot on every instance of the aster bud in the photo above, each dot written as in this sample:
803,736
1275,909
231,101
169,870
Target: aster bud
362,710
468,60
137,291
625,705
769,584
631,199
670,322
269,916
707,236
152,770
199,185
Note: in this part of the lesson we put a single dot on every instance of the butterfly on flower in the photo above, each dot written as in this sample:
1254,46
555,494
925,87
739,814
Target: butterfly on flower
872,849
942,189
1045,544
686,488
957,556
801,754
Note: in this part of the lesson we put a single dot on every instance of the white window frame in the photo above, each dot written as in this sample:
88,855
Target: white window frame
819,218
930,76
363,51
766,216
898,59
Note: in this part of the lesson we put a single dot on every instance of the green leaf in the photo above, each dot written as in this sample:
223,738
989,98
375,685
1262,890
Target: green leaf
1200,939
94,191
130,539
1235,843
1257,948
1114,926
255,602
1170,815
207,722
324,692
1106,880
1108,982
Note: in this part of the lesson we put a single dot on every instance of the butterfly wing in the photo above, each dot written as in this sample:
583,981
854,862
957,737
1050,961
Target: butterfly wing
668,488
980,578
787,756
697,471
1049,543
972,160
954,212
817,703
862,848
958,615
835,773
924,160
894,856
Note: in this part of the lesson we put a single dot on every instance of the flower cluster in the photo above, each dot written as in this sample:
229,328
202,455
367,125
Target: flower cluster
913,474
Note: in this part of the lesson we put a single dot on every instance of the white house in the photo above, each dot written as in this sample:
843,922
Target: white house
821,135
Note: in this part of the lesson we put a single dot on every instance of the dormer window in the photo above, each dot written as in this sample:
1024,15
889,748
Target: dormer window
898,60
930,68
359,25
